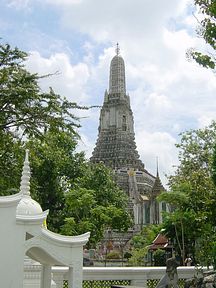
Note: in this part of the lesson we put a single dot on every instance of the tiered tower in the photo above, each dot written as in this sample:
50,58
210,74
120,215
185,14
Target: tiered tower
116,148
116,145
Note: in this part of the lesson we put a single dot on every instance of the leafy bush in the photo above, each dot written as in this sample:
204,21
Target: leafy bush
159,258
127,255
113,255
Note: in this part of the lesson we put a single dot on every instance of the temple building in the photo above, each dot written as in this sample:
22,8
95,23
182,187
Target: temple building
116,148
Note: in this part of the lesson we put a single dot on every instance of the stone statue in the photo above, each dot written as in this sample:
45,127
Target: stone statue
171,277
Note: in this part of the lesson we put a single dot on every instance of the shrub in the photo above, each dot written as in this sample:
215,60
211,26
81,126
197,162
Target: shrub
113,255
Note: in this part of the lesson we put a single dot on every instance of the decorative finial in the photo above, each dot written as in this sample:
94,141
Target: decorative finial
117,49
25,180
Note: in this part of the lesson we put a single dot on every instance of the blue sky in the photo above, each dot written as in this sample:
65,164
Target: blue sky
77,38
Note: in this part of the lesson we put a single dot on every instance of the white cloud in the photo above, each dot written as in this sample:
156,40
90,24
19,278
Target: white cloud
156,144
104,20
86,145
158,102
18,4
26,4
205,120
68,80
63,2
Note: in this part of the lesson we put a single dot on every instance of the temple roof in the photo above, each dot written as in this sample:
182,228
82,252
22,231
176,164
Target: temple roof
160,242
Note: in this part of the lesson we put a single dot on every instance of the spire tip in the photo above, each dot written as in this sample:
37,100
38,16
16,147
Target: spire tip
25,179
27,155
117,49
157,166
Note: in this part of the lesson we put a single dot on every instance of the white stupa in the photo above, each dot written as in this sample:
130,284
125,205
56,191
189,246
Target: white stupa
27,206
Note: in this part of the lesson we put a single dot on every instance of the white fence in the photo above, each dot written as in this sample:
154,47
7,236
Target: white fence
136,275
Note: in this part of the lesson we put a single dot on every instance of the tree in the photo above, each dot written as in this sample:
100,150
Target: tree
24,108
11,161
25,112
95,203
214,165
207,30
159,257
176,199
196,215
140,243
55,165
195,168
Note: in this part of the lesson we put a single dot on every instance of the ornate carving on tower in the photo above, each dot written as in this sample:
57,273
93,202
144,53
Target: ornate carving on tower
116,145
117,74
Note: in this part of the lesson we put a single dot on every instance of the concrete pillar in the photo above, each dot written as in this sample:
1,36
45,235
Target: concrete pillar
75,277
136,213
59,280
151,213
71,278
53,284
144,213
46,276
140,282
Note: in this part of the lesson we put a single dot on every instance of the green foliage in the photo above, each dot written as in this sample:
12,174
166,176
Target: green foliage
205,247
24,108
207,30
95,201
195,158
139,257
193,218
113,255
146,236
140,243
11,161
202,59
159,257
55,165
213,171
25,112
214,254
127,255
176,198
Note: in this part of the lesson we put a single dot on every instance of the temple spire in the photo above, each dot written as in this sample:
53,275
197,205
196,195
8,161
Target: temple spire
157,166
116,145
25,180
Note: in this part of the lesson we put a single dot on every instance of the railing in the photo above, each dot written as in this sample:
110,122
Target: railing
98,277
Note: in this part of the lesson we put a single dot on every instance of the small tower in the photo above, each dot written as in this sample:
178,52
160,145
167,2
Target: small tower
156,207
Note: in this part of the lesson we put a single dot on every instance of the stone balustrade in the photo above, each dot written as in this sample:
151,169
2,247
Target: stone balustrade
138,276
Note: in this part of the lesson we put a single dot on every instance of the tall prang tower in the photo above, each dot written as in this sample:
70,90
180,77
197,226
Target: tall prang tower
116,140
116,148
